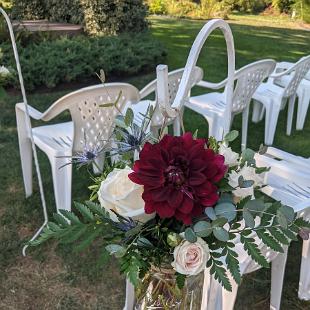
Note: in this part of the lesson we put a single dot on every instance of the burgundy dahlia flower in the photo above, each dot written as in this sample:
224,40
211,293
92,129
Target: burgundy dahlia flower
179,176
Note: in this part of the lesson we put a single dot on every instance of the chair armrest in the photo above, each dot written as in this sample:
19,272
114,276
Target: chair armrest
33,113
212,85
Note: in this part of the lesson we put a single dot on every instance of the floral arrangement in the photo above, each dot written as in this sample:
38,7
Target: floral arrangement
177,203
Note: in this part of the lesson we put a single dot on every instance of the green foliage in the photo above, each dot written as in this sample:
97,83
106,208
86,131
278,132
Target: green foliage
64,60
157,6
97,16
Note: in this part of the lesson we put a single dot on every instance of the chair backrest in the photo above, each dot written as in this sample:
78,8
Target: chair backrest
185,83
247,80
93,124
297,72
174,79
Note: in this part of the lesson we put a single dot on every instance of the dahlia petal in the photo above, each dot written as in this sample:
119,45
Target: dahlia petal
186,206
196,178
164,210
175,198
210,200
185,218
149,208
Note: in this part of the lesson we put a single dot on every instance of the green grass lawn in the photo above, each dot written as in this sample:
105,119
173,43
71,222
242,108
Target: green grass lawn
68,280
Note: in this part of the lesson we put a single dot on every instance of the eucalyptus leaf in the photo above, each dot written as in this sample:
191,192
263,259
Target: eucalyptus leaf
248,218
210,213
231,136
143,242
203,229
255,205
129,117
116,250
219,222
288,212
221,234
281,219
190,235
227,210
247,155
120,121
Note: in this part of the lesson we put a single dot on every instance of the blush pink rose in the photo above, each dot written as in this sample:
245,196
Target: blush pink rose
191,258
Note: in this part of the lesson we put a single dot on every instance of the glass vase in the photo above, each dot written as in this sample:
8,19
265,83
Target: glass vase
159,290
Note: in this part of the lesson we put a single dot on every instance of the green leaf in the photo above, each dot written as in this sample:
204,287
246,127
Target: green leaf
301,223
202,229
116,250
96,208
269,241
210,213
288,212
74,234
129,117
256,205
247,155
221,234
231,136
180,280
252,249
88,240
86,213
143,242
190,235
233,265
226,210
107,105
133,231
219,272
60,220
262,149
282,219
120,121
278,235
70,216
219,222
248,218
289,234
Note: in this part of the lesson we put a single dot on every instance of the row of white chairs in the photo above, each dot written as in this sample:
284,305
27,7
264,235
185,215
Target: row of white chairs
91,125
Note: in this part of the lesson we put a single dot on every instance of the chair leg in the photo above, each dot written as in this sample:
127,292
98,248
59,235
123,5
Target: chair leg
25,150
303,105
215,127
176,127
229,298
130,296
258,111
245,120
62,181
290,114
304,280
271,120
277,276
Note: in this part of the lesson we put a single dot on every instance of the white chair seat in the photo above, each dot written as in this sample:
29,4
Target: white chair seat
268,91
207,104
54,139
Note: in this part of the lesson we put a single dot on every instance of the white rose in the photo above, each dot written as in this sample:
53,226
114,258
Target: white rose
118,193
4,71
231,157
248,174
191,258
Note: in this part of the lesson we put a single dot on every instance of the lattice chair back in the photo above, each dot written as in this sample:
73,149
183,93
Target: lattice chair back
173,80
93,124
297,73
248,79
185,83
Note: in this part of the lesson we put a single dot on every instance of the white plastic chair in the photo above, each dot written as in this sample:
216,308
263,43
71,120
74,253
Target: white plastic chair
91,126
213,105
296,195
272,98
172,79
303,93
289,182
173,111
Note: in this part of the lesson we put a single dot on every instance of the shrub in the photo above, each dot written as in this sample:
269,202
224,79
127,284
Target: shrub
97,16
181,8
50,63
157,6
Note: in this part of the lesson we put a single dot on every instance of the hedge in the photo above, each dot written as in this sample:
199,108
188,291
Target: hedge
50,63
97,16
